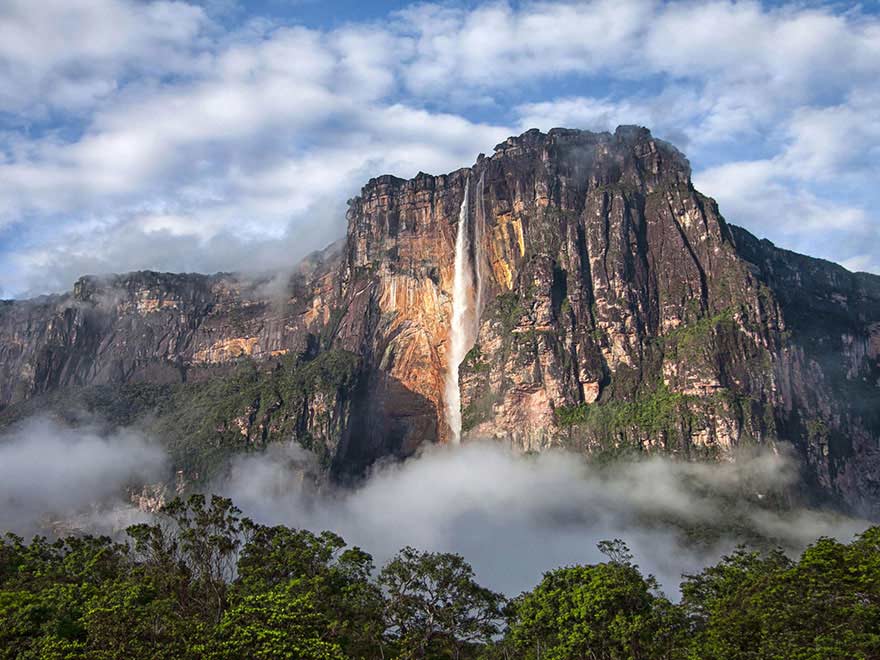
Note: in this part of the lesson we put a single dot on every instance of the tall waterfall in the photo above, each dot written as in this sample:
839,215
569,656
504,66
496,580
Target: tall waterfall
461,334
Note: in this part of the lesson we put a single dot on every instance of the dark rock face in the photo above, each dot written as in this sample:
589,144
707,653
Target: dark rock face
828,365
618,310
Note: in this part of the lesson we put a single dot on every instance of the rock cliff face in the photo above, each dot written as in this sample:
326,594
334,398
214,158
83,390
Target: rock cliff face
612,309
156,327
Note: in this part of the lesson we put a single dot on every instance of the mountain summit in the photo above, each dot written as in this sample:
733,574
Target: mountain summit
595,300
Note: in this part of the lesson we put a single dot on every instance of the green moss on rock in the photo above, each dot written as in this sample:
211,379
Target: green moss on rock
657,411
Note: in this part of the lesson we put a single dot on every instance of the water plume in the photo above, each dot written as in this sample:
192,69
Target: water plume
461,334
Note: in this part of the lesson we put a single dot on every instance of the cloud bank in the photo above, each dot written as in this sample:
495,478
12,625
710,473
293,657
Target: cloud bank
515,516
167,135
56,478
512,516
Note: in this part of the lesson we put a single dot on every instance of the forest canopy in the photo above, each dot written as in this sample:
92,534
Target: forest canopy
203,581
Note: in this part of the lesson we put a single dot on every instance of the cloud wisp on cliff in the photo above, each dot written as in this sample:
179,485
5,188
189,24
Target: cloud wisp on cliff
175,136
514,517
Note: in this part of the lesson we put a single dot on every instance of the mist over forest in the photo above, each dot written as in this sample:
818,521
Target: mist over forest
513,516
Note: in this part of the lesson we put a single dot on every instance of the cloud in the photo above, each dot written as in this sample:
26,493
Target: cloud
835,142
155,133
516,516
671,114
262,211
495,45
512,516
261,148
800,53
768,197
69,54
52,473
756,192
868,263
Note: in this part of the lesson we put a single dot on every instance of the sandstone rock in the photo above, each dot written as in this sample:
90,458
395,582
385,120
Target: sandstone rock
618,310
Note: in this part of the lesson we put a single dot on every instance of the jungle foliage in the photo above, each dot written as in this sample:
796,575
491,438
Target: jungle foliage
202,581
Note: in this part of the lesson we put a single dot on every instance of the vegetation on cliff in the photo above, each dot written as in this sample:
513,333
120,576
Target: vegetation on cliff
202,423
204,582
653,413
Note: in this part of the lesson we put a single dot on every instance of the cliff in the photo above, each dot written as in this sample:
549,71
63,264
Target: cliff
609,308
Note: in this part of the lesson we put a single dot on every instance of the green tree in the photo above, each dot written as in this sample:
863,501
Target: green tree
720,626
605,611
434,607
192,551
130,618
825,606
283,622
337,579
44,589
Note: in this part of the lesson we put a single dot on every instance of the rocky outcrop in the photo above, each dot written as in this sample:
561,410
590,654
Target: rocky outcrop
158,327
618,311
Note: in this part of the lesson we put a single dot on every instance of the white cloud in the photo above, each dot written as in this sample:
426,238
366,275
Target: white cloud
515,516
799,53
758,196
169,133
67,54
275,132
836,141
584,112
674,114
495,46
52,472
534,514
259,215
868,263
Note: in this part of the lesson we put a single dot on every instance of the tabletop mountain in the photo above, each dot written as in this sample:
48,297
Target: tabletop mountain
594,299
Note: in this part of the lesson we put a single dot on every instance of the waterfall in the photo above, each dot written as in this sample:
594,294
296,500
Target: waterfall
461,333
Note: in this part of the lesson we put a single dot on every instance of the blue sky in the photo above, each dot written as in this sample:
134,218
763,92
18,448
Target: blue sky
217,135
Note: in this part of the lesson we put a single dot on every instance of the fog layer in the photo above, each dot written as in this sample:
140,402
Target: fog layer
515,516
512,516
51,476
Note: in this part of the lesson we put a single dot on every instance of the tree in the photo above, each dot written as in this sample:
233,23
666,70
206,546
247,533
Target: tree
192,552
204,582
44,589
720,626
600,612
130,618
434,607
338,580
280,623
754,606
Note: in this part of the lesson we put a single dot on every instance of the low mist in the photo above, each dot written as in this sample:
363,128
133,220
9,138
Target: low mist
512,516
55,479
